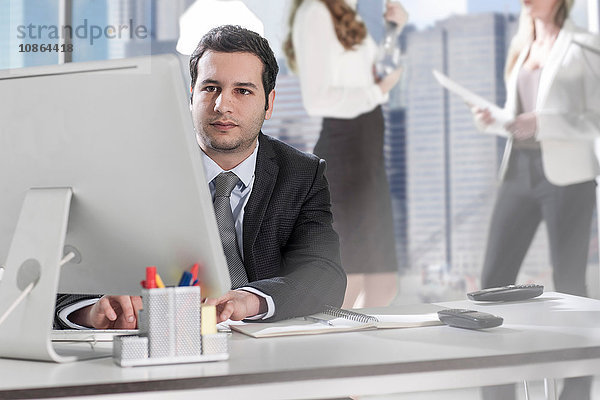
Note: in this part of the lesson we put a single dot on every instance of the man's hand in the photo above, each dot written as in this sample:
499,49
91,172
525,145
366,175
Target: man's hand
110,312
237,305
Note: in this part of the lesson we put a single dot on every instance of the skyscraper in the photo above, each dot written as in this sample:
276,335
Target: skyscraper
395,163
290,122
475,49
426,149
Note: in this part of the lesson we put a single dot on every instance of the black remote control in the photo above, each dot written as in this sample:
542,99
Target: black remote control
469,319
507,293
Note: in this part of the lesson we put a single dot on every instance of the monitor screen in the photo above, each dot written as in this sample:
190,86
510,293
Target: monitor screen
119,133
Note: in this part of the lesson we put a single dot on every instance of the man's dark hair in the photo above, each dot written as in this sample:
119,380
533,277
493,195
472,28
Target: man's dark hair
235,39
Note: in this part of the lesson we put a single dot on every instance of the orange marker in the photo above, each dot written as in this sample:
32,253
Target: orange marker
194,272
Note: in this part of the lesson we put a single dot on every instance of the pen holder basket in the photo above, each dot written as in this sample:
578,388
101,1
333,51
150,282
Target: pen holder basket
130,347
214,344
188,341
171,321
170,331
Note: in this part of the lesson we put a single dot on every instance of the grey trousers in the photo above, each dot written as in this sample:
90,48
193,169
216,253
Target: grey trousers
525,198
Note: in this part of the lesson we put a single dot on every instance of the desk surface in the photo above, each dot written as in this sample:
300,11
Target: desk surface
554,336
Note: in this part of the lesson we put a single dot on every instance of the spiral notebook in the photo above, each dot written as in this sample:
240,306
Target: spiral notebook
334,319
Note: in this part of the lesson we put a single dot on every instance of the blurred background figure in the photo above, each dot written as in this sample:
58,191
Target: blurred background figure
328,46
549,166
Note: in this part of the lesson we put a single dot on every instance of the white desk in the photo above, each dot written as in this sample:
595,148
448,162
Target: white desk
552,336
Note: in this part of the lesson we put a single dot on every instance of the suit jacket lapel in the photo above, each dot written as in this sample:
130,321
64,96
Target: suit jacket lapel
254,212
559,49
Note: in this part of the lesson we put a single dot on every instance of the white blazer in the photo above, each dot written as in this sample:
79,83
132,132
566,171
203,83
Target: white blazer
567,107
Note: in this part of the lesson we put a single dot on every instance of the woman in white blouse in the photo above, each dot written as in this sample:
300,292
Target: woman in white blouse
549,166
332,53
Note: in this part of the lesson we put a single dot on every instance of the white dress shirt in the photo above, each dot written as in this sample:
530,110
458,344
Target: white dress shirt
335,82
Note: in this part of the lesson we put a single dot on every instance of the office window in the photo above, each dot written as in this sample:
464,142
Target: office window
28,33
442,172
91,47
108,29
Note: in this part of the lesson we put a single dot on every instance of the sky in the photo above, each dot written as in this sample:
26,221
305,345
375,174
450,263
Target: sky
424,12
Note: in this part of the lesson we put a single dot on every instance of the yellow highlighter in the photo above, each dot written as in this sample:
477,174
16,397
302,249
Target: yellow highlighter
159,281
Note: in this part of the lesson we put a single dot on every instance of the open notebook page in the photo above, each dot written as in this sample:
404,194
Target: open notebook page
299,326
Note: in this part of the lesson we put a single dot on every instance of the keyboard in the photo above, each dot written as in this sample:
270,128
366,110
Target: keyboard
89,335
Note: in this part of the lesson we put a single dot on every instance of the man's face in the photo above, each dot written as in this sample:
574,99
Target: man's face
228,104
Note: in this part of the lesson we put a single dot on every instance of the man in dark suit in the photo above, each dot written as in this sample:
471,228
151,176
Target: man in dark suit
280,204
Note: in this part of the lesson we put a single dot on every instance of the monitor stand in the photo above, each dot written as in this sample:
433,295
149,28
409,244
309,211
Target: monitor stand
35,256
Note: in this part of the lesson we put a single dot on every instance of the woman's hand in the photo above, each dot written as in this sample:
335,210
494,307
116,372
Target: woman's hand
523,127
390,80
396,13
483,116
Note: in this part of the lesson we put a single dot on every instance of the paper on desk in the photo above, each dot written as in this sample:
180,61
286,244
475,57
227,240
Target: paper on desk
406,320
500,116
298,326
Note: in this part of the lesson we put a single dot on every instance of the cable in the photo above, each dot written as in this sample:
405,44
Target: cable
14,305
28,289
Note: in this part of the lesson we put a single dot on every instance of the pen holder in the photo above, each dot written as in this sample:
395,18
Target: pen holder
214,344
130,347
170,331
171,321
187,321
158,318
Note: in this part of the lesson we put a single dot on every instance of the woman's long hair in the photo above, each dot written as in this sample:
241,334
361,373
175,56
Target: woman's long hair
349,30
526,33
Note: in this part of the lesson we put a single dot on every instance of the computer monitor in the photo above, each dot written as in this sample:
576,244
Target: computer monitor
118,135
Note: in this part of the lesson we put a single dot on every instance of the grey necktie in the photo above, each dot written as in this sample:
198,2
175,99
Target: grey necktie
224,184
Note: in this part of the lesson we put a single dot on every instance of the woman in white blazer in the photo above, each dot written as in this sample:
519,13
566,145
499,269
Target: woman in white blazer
549,166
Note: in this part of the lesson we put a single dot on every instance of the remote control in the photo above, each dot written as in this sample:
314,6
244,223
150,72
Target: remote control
507,293
469,319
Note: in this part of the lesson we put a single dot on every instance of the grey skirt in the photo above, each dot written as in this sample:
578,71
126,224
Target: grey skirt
360,195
